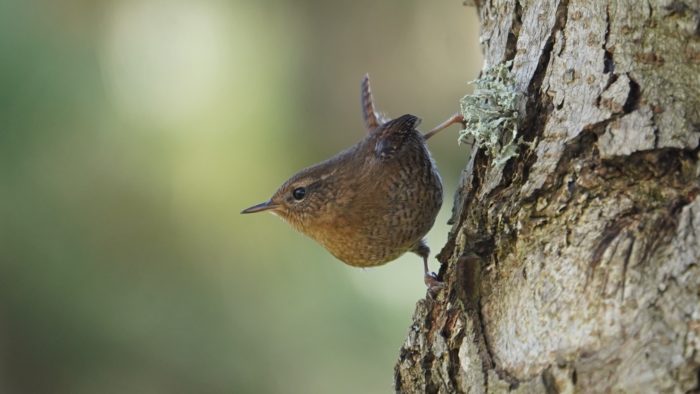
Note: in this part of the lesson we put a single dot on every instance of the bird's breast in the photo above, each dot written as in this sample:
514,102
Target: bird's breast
384,212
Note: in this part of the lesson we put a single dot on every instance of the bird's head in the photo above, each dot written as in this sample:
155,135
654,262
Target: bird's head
305,199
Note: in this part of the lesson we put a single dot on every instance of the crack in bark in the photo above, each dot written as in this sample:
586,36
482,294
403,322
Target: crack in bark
609,234
608,62
664,227
538,107
548,382
633,98
453,353
427,366
514,33
625,263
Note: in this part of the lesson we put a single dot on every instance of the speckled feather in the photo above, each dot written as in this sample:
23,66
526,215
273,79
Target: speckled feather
372,202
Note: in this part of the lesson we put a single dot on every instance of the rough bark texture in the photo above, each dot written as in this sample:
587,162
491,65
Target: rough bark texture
575,267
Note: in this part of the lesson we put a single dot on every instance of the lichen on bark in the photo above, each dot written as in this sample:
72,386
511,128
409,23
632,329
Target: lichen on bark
491,114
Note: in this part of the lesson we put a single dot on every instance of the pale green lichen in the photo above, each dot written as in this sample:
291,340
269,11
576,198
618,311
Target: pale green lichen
491,116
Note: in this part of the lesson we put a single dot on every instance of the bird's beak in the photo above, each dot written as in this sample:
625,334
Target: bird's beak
265,206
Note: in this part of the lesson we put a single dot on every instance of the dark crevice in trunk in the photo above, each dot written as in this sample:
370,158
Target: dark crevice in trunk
427,366
548,382
514,32
454,366
539,106
633,98
608,62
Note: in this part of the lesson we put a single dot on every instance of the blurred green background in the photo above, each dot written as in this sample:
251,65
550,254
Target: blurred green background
132,133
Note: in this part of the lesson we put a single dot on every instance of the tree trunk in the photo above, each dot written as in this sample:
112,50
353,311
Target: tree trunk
574,267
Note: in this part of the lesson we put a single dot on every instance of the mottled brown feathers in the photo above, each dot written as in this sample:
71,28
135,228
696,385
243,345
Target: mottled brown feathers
372,202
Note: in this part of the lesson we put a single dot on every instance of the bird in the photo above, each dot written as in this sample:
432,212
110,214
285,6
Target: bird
372,202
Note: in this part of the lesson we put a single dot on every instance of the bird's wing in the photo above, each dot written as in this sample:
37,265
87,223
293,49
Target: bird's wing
393,134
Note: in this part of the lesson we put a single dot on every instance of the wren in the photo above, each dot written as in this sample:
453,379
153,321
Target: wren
373,202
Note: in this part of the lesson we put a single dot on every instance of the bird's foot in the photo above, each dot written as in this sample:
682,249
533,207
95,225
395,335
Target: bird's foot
433,283
456,118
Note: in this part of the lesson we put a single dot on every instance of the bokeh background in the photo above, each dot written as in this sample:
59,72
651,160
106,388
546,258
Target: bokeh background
132,133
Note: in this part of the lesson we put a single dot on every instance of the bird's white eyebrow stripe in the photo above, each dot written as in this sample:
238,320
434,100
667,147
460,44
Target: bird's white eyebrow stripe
328,175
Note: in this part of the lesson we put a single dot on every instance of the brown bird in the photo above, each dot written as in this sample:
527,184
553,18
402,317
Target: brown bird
373,202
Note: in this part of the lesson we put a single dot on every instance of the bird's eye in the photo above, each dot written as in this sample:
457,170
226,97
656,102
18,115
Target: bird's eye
299,193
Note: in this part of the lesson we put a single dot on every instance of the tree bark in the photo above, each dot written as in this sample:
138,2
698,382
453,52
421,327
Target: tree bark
574,267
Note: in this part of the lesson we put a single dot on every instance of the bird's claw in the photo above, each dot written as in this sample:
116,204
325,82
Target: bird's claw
433,283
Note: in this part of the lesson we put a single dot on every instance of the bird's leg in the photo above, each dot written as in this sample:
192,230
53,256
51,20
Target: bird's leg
456,118
430,279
